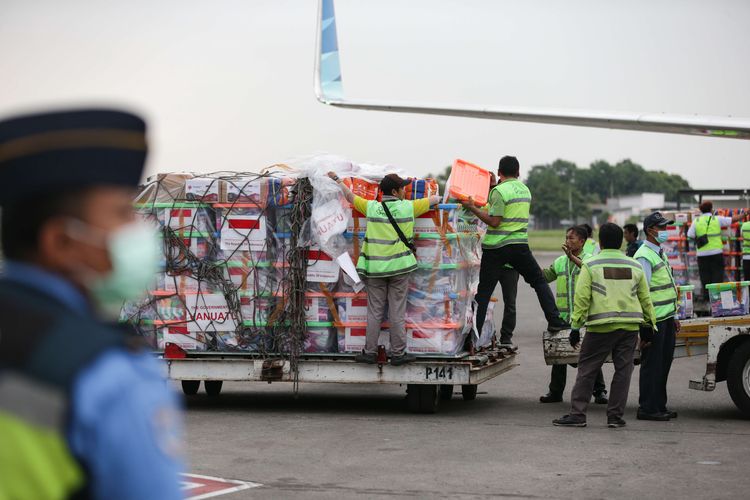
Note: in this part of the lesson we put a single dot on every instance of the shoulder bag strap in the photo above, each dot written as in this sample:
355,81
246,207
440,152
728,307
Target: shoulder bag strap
400,233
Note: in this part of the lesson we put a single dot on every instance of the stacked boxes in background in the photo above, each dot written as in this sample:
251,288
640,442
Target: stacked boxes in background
226,241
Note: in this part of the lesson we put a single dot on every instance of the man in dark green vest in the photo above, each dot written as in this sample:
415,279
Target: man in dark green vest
84,411
656,358
507,242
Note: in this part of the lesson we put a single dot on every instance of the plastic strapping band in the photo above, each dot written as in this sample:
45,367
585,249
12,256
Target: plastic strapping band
331,303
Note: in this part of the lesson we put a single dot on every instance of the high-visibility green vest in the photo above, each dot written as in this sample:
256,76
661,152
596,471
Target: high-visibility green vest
514,227
745,230
589,246
709,225
614,286
565,283
41,353
662,285
383,253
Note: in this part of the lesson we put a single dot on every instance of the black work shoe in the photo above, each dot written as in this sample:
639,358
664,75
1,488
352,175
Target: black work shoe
506,341
364,357
403,359
658,417
601,398
550,398
557,327
568,421
615,422
672,414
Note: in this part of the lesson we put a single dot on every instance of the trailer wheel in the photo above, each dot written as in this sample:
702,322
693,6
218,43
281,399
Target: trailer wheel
469,392
190,387
738,378
422,398
213,387
446,392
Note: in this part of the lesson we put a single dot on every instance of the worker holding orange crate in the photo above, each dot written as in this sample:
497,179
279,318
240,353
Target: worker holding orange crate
507,242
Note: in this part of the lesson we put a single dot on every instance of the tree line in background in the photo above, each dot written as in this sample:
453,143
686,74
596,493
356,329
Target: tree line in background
561,188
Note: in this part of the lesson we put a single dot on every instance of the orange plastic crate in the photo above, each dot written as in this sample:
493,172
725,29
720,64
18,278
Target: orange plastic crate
469,181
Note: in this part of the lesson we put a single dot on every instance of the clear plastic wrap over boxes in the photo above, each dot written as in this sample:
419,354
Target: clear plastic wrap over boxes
226,238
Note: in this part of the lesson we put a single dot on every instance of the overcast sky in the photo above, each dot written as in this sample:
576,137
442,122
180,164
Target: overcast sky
228,85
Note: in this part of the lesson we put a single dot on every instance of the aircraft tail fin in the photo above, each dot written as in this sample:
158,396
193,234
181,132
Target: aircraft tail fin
328,83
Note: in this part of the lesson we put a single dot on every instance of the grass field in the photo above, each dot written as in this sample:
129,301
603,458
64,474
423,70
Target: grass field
546,239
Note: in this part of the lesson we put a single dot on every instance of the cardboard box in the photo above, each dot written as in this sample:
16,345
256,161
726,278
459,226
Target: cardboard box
204,189
246,190
352,308
352,338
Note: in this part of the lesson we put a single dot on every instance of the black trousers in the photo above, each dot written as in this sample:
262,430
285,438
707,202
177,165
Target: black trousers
656,361
746,270
520,257
509,286
560,375
711,269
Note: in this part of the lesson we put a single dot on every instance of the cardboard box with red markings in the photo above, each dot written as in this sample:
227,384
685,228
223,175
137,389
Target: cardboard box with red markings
189,220
204,189
320,340
351,337
321,268
243,233
352,307
316,307
179,334
257,276
246,190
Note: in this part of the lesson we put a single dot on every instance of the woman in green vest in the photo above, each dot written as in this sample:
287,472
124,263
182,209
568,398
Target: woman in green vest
386,259
564,271
656,359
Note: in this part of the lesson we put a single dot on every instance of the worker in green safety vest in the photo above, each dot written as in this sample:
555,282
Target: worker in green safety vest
506,242
386,260
705,232
613,301
564,271
745,233
591,247
656,359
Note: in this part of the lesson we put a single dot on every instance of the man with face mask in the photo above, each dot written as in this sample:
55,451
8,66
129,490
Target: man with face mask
84,410
656,356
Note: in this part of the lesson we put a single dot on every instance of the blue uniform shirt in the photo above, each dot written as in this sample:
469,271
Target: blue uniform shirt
126,423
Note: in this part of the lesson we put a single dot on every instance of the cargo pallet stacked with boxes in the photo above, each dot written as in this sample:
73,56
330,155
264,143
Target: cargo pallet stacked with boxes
227,246
684,262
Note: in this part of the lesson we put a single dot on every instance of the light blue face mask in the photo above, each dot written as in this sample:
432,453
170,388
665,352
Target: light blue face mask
135,253
662,236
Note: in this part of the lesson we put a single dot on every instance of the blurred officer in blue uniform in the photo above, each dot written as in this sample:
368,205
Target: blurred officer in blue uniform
84,411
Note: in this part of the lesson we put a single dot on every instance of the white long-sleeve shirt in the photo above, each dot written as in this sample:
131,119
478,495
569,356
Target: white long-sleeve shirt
723,222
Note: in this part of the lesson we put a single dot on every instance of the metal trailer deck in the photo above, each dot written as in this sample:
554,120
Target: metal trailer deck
428,380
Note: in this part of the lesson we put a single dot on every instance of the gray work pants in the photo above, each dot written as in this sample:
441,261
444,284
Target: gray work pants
594,351
392,290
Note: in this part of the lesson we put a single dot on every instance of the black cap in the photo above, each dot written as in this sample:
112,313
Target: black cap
391,182
656,219
47,152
